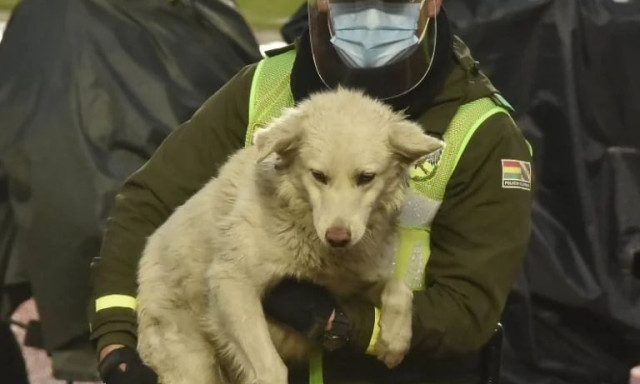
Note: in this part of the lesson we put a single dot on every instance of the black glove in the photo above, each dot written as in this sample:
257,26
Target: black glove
135,373
304,306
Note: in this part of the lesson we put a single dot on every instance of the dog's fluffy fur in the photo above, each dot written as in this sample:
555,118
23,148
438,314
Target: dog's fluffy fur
328,172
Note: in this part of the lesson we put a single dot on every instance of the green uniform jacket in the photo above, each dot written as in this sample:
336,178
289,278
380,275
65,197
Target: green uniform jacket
479,235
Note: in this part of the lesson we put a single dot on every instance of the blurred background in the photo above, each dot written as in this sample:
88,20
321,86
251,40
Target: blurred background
89,88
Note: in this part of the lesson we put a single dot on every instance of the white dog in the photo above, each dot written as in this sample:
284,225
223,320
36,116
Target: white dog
317,197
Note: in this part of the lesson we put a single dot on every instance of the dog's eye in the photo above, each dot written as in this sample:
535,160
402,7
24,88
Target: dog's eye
319,176
365,178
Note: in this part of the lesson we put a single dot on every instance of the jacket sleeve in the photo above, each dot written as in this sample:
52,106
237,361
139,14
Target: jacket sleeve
478,240
185,161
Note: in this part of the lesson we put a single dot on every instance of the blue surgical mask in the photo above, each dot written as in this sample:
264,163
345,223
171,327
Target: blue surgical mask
372,34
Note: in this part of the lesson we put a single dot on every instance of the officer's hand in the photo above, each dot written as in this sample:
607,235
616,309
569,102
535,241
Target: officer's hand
124,366
304,306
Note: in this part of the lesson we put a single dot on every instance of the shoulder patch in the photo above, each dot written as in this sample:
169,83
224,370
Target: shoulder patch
516,174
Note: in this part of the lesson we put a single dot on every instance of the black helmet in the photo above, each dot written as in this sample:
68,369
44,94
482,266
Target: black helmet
352,47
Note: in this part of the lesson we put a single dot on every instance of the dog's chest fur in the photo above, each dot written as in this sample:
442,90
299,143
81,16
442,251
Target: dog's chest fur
345,272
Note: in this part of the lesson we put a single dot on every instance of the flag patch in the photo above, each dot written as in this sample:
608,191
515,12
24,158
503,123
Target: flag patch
516,174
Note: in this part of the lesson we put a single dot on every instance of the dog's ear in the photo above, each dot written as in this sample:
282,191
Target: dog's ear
282,136
410,143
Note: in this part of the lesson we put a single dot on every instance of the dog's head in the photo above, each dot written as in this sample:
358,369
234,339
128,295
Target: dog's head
345,156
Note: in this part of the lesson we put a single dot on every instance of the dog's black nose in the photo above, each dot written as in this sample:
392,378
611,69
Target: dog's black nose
338,237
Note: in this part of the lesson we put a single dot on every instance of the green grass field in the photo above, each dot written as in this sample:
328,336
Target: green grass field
259,13
267,13
8,4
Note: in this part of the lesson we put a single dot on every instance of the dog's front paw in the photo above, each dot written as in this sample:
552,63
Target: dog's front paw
394,343
395,323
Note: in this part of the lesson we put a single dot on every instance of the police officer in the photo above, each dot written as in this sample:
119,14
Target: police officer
469,208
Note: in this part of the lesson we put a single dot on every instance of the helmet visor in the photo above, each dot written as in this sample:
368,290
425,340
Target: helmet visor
353,47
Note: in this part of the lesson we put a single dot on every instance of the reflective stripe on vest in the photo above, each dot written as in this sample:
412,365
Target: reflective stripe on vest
271,94
116,301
